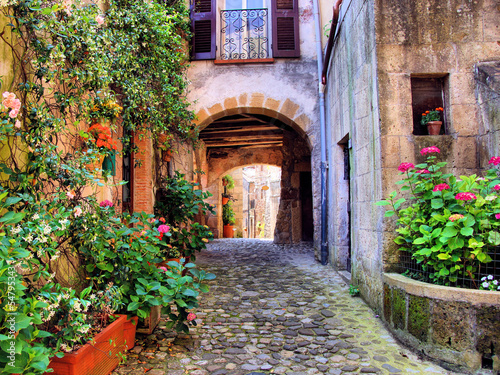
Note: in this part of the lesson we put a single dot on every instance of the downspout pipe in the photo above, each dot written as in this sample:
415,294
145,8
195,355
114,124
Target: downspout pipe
322,68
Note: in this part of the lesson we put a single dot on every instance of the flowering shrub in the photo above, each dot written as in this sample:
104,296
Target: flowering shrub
178,204
434,115
449,225
105,108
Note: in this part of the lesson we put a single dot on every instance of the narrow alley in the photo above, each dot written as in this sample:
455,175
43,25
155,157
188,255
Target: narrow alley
274,310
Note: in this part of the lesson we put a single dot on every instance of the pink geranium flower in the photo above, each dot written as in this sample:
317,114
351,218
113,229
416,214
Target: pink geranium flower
497,216
430,150
106,203
191,317
496,187
441,187
465,196
163,228
495,160
405,167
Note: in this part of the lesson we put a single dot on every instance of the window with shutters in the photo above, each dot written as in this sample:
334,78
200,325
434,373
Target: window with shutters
243,30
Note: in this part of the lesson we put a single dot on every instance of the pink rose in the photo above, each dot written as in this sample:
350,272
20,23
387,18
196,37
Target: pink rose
405,167
18,124
99,19
430,150
191,317
78,211
13,113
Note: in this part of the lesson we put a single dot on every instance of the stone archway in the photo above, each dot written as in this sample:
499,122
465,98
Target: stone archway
291,151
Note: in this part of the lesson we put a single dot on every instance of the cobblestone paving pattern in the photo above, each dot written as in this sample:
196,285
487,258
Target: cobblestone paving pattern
274,310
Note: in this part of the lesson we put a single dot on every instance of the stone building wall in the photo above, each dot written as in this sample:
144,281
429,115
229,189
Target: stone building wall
461,36
382,48
286,89
353,123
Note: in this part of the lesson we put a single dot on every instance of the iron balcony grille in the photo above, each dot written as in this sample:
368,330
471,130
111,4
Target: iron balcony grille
244,34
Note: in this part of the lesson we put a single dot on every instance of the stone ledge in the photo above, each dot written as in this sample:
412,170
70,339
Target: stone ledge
445,293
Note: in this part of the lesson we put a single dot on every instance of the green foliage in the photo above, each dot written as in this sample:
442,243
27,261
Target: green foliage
353,290
228,181
449,225
228,214
127,255
179,202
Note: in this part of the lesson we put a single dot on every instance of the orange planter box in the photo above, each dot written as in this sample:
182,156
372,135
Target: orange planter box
129,330
99,357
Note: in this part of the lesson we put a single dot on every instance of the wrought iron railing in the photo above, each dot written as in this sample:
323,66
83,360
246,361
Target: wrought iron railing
244,34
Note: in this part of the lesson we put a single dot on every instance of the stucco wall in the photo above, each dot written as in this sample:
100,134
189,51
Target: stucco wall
352,113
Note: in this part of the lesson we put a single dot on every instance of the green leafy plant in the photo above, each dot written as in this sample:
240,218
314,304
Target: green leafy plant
228,214
353,290
449,225
228,181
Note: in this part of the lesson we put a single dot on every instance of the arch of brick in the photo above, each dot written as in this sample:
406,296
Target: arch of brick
294,158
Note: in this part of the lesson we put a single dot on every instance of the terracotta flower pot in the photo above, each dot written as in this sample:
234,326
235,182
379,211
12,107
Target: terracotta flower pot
129,330
228,231
98,357
225,200
434,127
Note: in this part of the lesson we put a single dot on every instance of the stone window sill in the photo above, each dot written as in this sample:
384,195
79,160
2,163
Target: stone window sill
247,61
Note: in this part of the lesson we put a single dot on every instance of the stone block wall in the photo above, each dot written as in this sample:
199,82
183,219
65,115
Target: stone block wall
437,321
353,124
434,39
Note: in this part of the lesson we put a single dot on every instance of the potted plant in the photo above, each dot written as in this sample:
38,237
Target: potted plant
228,220
98,138
432,119
228,183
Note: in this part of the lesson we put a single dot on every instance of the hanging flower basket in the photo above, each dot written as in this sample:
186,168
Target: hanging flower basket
98,357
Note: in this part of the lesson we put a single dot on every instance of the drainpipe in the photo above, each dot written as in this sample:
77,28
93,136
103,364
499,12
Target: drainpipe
323,138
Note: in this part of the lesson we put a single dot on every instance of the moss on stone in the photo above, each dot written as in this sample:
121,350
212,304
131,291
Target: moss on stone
387,303
399,308
418,317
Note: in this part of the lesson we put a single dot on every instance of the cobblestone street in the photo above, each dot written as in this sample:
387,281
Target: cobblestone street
274,310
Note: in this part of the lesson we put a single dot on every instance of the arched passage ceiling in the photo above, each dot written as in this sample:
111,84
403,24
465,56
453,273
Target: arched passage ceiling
244,131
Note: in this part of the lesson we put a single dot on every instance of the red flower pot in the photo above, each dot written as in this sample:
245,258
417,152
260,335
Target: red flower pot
98,357
129,329
228,231
225,200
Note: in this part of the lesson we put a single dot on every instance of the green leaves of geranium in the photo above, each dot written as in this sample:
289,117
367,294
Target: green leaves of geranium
449,225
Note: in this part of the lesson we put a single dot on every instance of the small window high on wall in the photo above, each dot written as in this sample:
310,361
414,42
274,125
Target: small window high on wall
428,93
